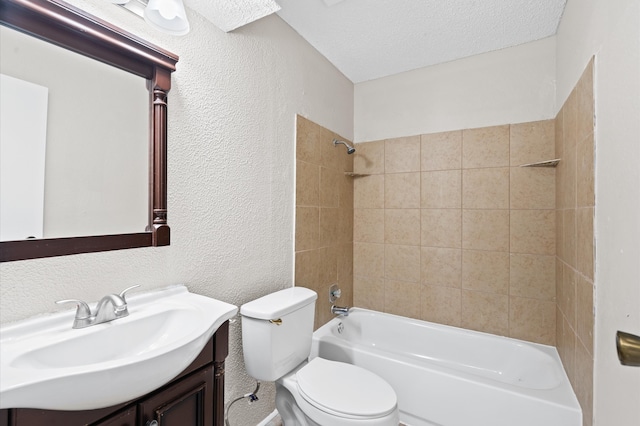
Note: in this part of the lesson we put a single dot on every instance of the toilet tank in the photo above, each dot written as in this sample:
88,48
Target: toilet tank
277,331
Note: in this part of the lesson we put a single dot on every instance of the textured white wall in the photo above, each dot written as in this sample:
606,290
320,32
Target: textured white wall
611,32
511,85
231,178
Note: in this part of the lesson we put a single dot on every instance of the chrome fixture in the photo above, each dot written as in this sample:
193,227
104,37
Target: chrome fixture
334,295
168,16
342,311
350,148
110,307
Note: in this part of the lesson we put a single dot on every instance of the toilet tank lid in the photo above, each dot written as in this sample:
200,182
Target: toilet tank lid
278,304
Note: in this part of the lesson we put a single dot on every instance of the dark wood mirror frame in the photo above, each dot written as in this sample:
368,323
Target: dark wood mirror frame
64,25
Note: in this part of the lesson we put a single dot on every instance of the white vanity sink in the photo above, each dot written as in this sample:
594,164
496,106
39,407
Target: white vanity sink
44,363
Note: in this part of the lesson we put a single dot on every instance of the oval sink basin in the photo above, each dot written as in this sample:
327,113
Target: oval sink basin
47,364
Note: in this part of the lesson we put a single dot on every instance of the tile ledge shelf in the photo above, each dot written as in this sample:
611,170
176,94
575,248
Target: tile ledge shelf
547,163
356,175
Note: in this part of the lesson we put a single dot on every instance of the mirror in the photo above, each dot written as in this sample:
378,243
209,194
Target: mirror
128,58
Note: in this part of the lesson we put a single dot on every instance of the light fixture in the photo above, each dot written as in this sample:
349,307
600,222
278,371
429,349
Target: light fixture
167,16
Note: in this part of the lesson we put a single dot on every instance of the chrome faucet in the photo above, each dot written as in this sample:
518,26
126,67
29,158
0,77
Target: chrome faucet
110,307
334,295
342,311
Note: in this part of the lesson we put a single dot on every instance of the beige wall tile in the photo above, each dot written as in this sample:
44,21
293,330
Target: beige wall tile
559,278
345,226
368,225
533,320
345,272
560,234
402,226
559,131
485,147
441,228
331,156
583,383
441,305
368,260
441,266
369,158
402,263
402,155
485,271
307,137
584,243
533,276
368,293
585,172
567,295
585,104
566,345
368,192
402,191
307,268
441,151
329,227
533,188
485,188
345,191
324,215
403,298
344,161
328,271
486,312
485,230
307,184
307,228
329,187
569,239
533,231
532,142
441,189
584,312
568,163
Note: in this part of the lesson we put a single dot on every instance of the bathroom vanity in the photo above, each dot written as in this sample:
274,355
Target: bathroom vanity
194,398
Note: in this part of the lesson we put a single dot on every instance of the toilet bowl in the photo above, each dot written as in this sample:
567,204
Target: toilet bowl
276,339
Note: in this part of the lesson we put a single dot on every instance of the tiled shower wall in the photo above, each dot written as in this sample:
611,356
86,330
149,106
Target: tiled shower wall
575,200
324,216
448,228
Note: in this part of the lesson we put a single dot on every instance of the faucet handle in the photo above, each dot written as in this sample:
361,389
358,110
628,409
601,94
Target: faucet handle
82,312
122,293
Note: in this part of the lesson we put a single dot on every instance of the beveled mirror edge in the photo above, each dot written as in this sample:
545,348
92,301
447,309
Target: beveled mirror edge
64,25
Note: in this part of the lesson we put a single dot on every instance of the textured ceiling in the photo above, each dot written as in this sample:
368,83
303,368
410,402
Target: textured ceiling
368,39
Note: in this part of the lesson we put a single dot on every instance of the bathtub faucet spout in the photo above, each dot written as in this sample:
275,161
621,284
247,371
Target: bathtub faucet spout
340,310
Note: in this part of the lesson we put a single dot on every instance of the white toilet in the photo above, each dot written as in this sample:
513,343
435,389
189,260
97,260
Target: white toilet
276,334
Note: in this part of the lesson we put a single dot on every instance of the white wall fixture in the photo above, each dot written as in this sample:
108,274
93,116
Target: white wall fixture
168,16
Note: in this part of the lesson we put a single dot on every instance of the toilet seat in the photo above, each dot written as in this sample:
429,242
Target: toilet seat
345,390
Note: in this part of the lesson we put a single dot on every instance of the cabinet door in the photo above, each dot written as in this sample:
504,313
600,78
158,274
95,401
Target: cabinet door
186,403
123,418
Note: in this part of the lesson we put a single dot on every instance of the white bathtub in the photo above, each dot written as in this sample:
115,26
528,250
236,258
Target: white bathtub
446,376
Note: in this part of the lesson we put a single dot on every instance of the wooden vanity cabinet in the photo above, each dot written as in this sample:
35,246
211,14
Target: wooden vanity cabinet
194,398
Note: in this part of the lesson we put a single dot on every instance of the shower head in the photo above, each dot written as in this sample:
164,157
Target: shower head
350,149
